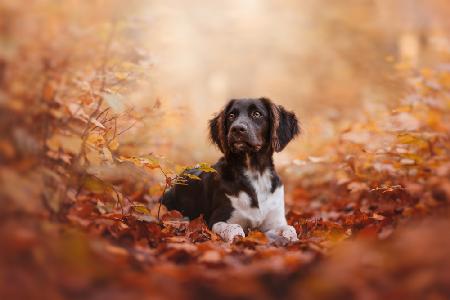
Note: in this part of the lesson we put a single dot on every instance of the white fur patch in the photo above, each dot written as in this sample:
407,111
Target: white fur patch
269,217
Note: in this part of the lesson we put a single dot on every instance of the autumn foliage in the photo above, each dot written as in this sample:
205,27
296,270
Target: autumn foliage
79,190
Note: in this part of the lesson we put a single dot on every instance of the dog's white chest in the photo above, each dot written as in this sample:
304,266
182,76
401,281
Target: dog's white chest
253,217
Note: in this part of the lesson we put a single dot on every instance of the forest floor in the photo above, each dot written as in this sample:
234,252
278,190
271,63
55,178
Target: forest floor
371,213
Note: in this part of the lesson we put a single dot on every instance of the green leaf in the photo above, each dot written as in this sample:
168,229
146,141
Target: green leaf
141,209
95,185
192,176
204,167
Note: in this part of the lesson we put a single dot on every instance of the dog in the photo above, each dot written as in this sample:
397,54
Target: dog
245,192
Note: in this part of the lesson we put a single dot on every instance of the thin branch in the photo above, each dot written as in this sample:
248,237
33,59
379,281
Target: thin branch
160,199
100,102
125,130
102,112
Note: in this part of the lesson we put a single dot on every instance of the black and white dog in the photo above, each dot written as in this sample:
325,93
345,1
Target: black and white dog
246,191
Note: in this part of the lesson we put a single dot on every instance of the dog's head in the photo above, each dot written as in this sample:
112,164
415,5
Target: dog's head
250,125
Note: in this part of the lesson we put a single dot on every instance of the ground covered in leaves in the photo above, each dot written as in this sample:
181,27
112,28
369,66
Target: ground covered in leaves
371,213
79,212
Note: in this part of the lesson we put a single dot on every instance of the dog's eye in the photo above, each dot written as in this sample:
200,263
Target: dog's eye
231,116
256,114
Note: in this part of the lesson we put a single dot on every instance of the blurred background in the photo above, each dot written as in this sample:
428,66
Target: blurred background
322,59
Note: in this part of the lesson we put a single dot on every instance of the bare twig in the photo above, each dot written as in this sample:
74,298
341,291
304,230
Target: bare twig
100,102
126,129
106,110
166,185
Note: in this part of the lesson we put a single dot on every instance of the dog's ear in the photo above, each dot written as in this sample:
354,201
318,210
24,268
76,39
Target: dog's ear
283,125
217,129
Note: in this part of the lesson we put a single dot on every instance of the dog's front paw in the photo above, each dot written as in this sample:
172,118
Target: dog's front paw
286,231
228,231
289,233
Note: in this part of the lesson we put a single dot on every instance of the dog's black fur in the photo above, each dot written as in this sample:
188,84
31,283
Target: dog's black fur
248,132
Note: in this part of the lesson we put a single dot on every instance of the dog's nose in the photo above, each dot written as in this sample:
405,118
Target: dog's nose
239,129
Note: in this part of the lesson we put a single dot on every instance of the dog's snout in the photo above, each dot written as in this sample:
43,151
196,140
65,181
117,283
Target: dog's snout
239,128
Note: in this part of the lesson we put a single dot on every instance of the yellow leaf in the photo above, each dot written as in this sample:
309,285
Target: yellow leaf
155,189
192,176
406,139
71,144
95,185
179,169
204,167
94,157
151,165
150,161
411,140
434,120
410,159
113,145
141,209
95,139
107,154
132,160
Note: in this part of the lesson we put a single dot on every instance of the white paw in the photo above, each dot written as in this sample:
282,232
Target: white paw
289,233
286,231
228,231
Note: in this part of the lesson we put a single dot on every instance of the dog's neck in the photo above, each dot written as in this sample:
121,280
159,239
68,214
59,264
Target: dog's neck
254,161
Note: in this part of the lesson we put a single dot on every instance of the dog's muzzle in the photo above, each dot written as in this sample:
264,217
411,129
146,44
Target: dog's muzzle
241,139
